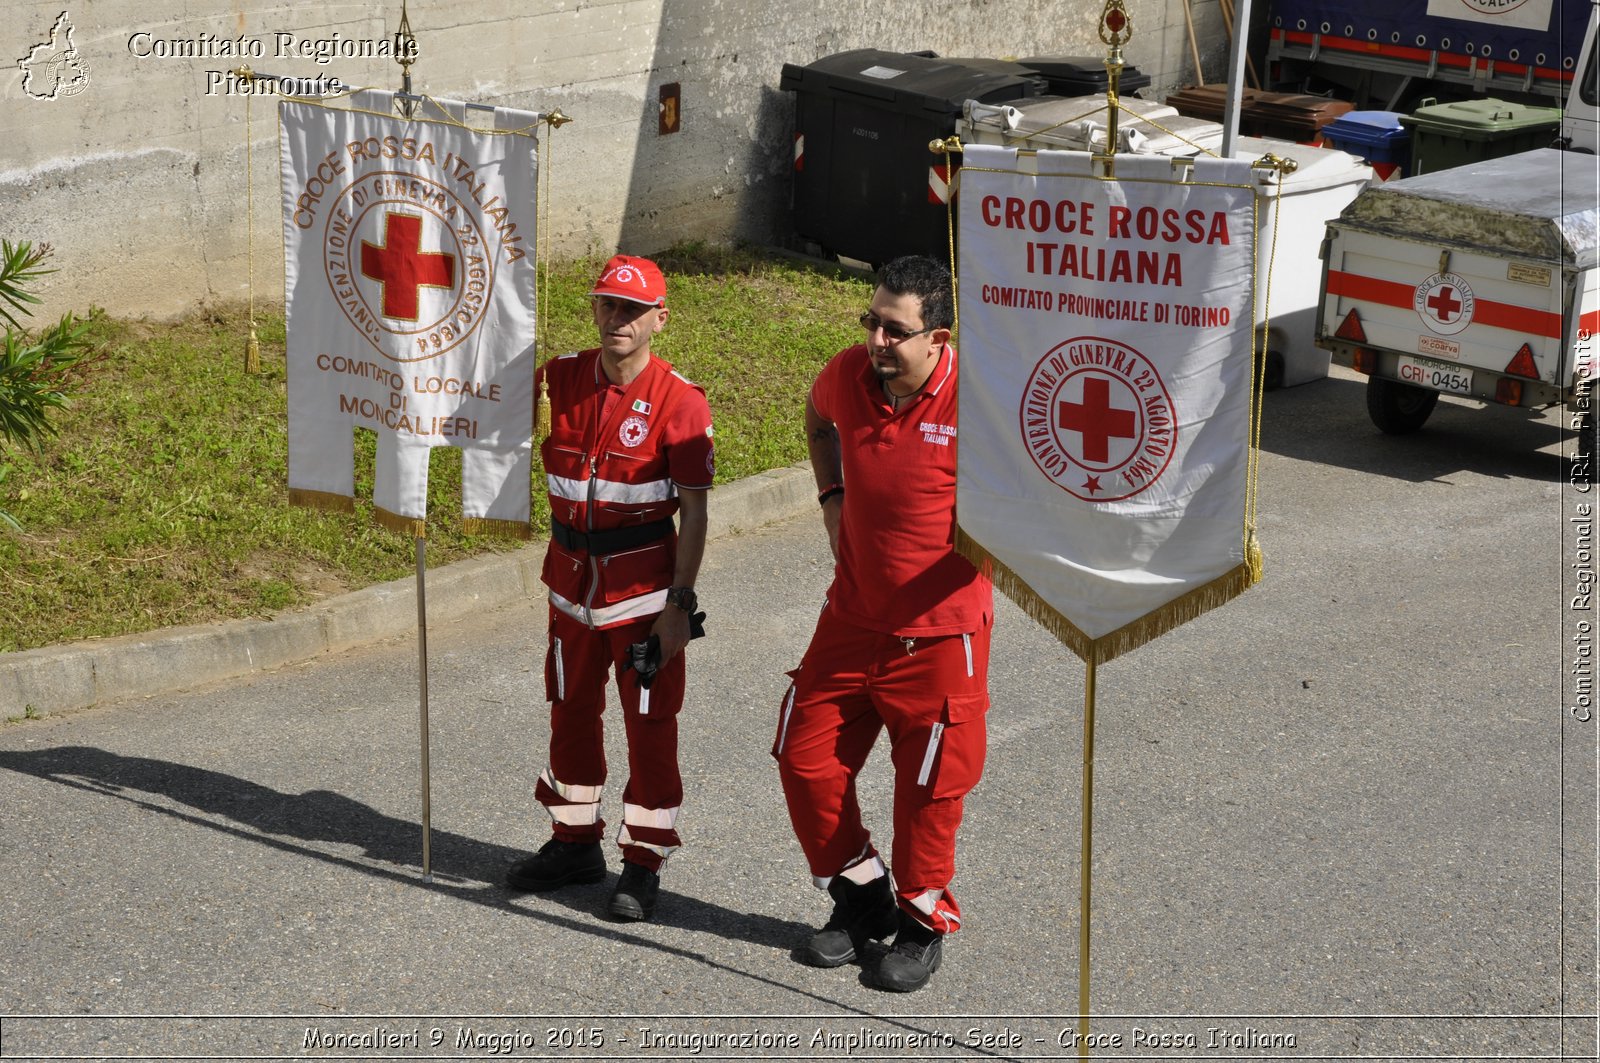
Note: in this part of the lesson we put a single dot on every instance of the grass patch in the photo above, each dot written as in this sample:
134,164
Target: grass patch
162,500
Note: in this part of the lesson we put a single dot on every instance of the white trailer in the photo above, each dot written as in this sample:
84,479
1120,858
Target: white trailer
1477,281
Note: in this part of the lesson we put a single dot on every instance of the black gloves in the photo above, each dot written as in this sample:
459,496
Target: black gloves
645,657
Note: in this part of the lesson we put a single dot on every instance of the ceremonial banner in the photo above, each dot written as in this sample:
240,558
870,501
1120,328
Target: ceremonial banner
1106,395
409,287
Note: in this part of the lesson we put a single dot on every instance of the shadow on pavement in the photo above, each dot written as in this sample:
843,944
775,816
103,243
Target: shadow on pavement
1325,421
463,868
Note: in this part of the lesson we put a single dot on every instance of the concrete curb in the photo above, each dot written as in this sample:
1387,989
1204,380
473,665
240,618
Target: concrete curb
76,675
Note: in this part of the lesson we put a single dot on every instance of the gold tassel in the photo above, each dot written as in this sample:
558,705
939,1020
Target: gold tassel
411,527
1253,559
252,353
502,529
541,415
323,500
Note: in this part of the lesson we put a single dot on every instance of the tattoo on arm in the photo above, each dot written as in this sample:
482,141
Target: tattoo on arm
825,432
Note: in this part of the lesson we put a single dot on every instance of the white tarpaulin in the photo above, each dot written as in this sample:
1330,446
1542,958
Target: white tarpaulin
1105,434
409,286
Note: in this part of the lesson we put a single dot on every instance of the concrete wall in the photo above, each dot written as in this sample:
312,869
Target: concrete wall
135,167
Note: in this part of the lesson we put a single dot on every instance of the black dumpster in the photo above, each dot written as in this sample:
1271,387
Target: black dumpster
1082,75
865,184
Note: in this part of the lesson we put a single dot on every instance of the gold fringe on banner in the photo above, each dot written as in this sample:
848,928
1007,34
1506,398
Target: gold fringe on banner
1129,636
323,500
413,527
500,529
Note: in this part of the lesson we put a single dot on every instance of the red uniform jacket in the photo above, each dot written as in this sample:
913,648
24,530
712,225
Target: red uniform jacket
612,470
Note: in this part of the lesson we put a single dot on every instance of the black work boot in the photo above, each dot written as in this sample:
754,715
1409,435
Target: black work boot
634,899
911,960
558,863
860,912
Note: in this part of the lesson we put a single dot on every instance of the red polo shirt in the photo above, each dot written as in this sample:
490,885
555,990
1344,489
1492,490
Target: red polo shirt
898,571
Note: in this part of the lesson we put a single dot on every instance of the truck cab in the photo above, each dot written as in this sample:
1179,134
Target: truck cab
1580,121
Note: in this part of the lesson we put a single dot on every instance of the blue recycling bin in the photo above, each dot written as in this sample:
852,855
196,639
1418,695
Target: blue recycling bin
1376,136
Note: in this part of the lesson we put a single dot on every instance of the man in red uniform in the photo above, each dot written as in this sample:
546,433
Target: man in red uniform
629,446
902,643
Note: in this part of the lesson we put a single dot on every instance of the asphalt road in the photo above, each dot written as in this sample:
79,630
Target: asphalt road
1349,815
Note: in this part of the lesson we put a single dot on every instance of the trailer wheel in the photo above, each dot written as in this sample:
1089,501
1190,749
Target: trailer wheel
1398,409
1272,372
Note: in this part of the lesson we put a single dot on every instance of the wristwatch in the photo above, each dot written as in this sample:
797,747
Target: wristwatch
683,597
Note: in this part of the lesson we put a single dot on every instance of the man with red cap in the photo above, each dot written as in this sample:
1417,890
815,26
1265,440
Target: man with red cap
903,640
629,447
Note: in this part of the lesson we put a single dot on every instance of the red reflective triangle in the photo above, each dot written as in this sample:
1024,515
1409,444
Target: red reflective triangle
1351,329
1523,364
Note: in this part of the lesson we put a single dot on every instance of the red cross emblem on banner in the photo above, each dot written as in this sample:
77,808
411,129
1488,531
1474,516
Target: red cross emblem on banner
1096,420
403,268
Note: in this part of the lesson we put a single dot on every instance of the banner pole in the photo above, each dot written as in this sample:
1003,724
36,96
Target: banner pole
422,674
1238,57
1085,856
405,53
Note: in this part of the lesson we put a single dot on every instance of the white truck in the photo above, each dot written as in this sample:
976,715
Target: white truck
1580,119
1392,54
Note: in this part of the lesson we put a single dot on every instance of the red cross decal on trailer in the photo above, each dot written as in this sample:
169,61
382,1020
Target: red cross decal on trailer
1444,303
403,268
1096,419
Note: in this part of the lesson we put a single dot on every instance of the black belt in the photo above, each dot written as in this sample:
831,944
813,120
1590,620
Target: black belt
611,540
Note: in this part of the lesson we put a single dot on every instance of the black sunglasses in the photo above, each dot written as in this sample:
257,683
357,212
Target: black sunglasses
894,333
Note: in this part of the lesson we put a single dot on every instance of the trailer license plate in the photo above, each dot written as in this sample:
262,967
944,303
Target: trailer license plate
1423,373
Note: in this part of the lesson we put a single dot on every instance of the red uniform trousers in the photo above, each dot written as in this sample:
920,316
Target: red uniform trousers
576,668
931,694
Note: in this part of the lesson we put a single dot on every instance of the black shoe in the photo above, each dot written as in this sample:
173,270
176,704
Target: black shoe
860,912
556,864
634,899
911,961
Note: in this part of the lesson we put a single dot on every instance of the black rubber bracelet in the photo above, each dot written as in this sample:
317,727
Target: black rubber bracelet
836,489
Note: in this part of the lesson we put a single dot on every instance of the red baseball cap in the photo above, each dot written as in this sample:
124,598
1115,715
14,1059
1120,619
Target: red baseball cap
636,279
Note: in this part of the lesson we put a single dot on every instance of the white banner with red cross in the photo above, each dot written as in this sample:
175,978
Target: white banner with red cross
409,292
1106,390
